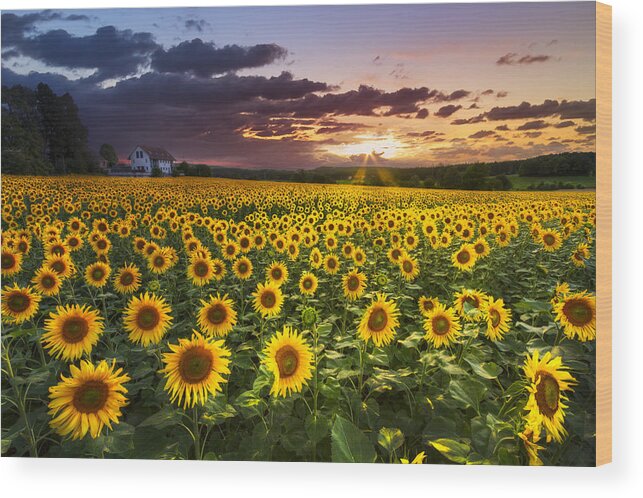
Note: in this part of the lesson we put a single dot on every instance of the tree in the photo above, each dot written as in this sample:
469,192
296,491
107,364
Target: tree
23,144
156,172
108,153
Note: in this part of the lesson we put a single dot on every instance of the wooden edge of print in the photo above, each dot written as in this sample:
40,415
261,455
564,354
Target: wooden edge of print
603,233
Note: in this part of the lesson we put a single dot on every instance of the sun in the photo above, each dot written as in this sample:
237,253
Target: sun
370,147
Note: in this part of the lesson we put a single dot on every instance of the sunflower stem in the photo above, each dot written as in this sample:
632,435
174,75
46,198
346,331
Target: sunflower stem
198,450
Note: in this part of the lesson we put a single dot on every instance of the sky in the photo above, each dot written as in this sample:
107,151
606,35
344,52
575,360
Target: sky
302,87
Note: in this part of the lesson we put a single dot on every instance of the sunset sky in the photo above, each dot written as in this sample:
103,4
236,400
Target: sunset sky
300,87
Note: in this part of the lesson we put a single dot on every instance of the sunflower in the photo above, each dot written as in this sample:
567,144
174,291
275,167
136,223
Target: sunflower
379,321
62,265
442,326
242,268
331,264
19,303
580,254
498,318
147,318
577,314
160,261
551,240
359,256
354,284
87,401
268,299
230,250
426,304
200,270
47,282
97,274
464,258
127,279
219,269
409,268
532,447
11,262
194,369
308,284
289,358
548,378
468,303
315,258
72,331
217,316
277,273
481,248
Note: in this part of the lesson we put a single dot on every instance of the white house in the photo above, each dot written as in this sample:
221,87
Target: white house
144,158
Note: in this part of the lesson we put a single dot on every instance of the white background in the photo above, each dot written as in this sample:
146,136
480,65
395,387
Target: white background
89,479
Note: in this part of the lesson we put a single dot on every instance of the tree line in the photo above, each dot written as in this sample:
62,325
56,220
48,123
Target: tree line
42,133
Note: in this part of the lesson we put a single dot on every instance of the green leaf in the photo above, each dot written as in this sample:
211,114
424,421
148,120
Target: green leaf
390,439
469,392
317,427
453,450
349,444
487,370
163,418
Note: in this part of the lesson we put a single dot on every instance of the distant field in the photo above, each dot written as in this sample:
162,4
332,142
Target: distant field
522,182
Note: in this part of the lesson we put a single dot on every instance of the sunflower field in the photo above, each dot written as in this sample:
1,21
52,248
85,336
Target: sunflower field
184,318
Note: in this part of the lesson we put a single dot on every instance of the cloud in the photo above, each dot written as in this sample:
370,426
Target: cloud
205,59
575,109
447,110
488,91
513,59
422,113
472,120
586,130
533,134
14,26
197,25
564,124
110,51
533,125
503,127
502,94
482,134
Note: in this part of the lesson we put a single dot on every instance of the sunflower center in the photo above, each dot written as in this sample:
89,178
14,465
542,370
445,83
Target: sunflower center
276,273
287,361
101,244
148,317
463,257
473,301
353,283
428,305
332,263
195,364
90,397
8,260
243,268
201,269
98,274
441,325
395,254
378,320
127,278
407,266
547,394
308,283
58,266
268,299
48,282
18,302
74,329
479,248
549,239
217,314
159,261
495,318
577,312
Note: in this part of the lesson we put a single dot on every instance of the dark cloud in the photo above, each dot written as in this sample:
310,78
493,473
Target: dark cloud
533,134
472,120
447,110
489,91
458,94
575,109
482,134
503,127
110,51
422,114
512,59
564,124
586,130
196,24
474,106
205,59
14,27
502,94
533,125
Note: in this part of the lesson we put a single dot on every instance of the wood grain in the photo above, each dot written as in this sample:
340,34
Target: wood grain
603,233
